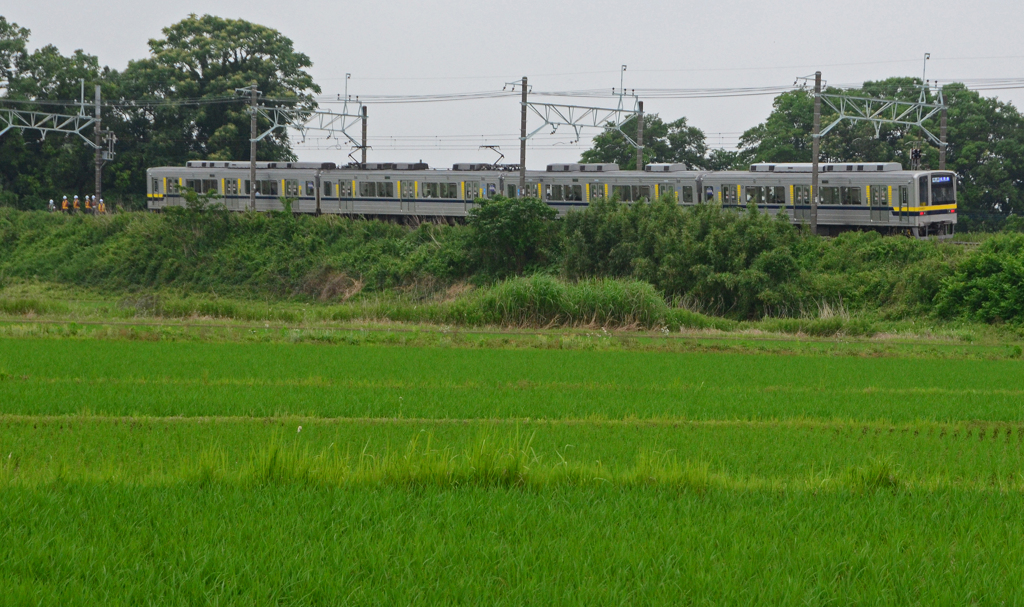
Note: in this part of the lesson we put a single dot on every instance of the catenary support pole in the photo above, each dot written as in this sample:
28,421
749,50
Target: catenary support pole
640,137
815,145
252,147
98,134
522,144
364,135
942,141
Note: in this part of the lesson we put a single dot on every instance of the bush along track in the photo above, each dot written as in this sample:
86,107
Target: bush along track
609,263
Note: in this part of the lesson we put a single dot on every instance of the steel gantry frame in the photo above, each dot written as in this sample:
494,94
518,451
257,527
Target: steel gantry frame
884,111
302,120
578,117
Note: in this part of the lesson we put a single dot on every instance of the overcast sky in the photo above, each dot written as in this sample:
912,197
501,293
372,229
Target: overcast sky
410,48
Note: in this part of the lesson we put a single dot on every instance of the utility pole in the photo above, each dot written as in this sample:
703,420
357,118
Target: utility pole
942,141
522,144
640,138
252,146
815,150
98,134
364,135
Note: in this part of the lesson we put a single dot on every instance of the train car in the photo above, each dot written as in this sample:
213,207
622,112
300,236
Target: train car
853,196
874,196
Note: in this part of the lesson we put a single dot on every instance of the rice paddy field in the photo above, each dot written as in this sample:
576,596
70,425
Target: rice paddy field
195,469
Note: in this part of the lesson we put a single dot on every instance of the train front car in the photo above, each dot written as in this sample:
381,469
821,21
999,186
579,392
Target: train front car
936,210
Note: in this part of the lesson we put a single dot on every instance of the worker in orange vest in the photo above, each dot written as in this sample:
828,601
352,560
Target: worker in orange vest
102,207
88,206
75,206
64,205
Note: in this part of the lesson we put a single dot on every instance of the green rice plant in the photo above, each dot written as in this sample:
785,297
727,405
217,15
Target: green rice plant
664,469
880,473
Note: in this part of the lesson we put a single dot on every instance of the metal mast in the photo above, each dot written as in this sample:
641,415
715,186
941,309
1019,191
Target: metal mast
522,142
815,151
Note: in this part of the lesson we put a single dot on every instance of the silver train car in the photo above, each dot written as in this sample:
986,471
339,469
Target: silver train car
853,196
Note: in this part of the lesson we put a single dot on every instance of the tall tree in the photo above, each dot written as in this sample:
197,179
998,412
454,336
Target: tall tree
184,105
13,43
663,142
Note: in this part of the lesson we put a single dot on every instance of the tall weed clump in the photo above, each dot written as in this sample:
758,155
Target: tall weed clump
542,300
723,262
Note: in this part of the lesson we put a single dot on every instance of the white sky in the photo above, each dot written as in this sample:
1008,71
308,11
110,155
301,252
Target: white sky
405,47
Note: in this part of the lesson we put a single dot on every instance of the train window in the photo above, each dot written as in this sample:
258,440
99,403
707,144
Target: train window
510,190
943,190
709,193
729,194
492,190
645,192
367,189
775,194
472,190
231,187
327,188
574,193
922,191
156,185
623,192
829,195
668,191
385,189
553,192
801,194
687,193
879,196
754,194
453,190
291,187
201,186
310,188
428,190
268,187
850,195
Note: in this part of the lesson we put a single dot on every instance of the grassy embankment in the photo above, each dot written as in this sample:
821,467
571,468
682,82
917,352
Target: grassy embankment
177,472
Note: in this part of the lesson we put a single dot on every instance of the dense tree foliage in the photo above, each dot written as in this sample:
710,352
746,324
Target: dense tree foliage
204,59
33,169
663,142
511,234
178,104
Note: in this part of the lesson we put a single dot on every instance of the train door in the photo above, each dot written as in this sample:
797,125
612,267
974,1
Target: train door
879,203
802,202
903,203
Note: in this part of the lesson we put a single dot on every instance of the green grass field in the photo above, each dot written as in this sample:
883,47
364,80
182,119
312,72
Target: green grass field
174,471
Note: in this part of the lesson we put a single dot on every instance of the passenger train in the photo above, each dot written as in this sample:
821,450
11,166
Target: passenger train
853,196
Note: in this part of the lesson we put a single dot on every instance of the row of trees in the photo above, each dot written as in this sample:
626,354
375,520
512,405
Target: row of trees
174,105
